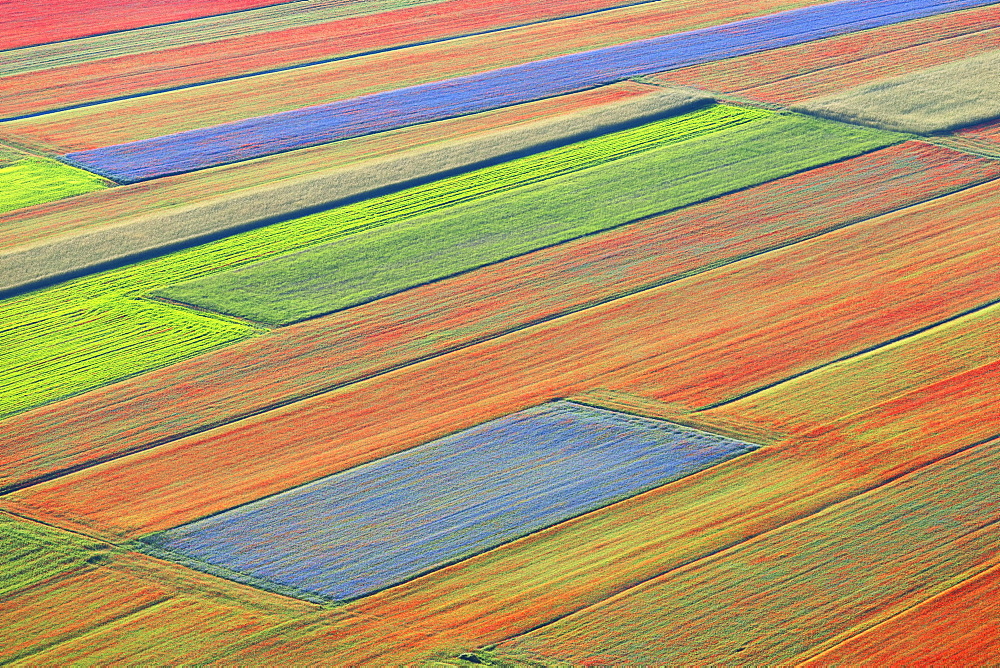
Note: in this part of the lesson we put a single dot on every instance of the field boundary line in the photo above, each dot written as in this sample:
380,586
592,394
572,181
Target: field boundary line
214,570
173,303
20,514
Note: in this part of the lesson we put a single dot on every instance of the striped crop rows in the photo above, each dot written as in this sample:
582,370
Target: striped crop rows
345,273
242,140
63,340
465,333
317,355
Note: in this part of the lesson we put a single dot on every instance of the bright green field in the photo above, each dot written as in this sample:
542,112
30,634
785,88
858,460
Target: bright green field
31,181
85,333
367,266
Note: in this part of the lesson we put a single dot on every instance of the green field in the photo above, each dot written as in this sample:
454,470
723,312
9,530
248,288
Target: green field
77,344
29,180
367,266
91,331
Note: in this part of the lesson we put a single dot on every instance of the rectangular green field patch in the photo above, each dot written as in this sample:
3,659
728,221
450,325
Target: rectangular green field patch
364,267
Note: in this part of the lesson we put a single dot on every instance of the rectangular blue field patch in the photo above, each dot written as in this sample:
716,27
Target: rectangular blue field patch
362,530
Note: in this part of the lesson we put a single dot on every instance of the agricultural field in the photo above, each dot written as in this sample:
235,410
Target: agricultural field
146,236
457,333
138,201
244,52
353,548
430,247
931,101
27,180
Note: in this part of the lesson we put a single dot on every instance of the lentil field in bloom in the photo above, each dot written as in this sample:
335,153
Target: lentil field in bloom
457,333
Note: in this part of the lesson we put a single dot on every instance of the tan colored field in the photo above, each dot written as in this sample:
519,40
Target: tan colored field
930,101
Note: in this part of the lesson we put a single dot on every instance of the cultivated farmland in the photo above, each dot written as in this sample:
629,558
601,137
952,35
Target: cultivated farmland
796,73
431,320
957,626
202,106
563,458
263,135
29,24
28,180
988,133
369,266
852,305
206,29
620,31
205,60
91,596
92,211
326,189
947,501
72,347
930,101
459,333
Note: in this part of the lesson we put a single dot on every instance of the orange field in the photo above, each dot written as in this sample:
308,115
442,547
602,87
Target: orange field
858,561
958,627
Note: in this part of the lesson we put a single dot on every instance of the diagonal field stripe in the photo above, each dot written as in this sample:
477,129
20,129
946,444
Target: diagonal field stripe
265,135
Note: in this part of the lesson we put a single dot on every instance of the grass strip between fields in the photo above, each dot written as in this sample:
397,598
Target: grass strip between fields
29,180
91,331
364,267
930,101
